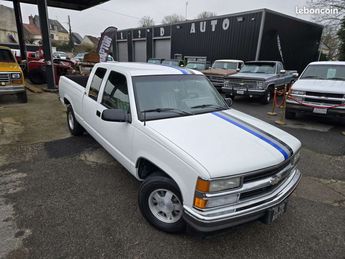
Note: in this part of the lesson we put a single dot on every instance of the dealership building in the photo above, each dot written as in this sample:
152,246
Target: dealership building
254,35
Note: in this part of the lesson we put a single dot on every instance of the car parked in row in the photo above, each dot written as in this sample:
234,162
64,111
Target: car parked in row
258,79
220,69
320,90
172,130
11,75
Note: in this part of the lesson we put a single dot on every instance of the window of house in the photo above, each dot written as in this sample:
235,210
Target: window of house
96,83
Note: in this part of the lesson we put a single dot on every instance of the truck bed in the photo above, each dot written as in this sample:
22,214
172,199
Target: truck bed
80,80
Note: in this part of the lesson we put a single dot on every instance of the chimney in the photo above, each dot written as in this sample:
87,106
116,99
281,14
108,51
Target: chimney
31,20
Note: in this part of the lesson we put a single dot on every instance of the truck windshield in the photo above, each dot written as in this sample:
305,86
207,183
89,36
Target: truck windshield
197,66
6,56
264,68
324,72
166,96
225,65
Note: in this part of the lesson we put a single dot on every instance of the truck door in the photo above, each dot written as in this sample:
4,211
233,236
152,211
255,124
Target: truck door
116,136
281,77
90,99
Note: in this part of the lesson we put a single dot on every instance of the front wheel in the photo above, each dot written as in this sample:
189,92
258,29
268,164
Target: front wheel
266,98
161,204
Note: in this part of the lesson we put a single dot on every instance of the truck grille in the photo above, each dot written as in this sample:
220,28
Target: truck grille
239,84
216,80
322,96
4,77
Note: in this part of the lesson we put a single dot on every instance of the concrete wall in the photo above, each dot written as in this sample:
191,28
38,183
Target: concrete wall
7,24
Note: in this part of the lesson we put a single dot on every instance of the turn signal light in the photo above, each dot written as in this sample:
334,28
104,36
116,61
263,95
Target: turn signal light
200,203
202,185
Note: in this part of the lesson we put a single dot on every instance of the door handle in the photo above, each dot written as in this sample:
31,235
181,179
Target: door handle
98,113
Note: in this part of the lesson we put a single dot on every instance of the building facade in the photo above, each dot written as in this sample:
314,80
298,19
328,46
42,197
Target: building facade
8,29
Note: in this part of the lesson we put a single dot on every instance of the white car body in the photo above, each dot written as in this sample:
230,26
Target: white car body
318,96
208,146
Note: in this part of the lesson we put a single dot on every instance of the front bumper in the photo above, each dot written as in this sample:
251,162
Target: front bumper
241,213
243,92
4,90
295,107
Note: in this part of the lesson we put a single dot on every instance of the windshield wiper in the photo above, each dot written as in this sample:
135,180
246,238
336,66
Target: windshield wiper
311,77
336,78
175,110
218,107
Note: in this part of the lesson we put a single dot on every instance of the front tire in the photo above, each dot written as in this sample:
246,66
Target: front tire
160,202
73,125
266,98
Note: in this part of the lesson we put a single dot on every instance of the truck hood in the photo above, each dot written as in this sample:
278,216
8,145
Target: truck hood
222,147
321,86
218,72
251,76
9,67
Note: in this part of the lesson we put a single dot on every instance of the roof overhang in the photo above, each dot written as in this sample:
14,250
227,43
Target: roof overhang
78,5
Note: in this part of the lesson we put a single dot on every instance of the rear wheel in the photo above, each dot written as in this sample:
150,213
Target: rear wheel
160,202
22,97
73,125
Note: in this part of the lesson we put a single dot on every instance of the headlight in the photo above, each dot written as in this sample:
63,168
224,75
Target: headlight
259,84
226,83
223,200
221,185
15,76
298,92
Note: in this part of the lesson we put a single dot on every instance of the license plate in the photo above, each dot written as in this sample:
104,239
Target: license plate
275,213
320,110
240,92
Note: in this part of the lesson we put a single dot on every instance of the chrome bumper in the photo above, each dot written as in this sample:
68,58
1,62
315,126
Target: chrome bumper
12,89
239,213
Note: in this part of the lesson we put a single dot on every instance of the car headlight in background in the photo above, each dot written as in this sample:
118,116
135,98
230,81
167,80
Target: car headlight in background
259,84
16,76
226,83
298,92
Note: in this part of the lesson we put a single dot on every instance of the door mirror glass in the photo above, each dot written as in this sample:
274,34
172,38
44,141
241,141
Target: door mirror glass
295,75
228,101
115,115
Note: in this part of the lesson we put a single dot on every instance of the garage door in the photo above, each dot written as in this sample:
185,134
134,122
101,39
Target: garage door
163,49
139,51
123,51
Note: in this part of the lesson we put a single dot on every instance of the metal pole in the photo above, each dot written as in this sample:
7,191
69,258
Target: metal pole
43,14
19,23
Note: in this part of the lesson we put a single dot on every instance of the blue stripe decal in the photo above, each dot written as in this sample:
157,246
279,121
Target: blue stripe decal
184,71
282,151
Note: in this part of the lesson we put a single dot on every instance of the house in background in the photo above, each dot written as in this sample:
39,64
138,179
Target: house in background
32,32
89,42
76,38
8,29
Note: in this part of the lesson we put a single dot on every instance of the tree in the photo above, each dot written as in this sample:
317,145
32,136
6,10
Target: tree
206,14
174,18
341,35
146,21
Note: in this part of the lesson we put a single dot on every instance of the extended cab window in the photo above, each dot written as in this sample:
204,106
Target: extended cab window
115,94
96,83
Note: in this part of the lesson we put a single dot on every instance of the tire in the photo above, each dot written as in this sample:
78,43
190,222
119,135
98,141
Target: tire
163,213
73,125
37,77
266,98
22,97
290,115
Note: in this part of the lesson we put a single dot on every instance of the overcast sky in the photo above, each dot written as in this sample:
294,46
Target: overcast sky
126,14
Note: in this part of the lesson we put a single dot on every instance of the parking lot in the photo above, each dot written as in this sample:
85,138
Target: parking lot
63,196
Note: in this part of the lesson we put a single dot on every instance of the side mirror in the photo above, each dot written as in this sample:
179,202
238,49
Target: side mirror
115,115
283,71
228,101
295,75
238,69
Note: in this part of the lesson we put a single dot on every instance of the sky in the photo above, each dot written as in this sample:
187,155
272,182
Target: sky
126,14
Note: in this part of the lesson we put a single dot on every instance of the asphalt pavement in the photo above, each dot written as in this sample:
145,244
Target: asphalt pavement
65,197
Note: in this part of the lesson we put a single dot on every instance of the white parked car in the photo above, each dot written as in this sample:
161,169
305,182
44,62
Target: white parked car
201,162
320,90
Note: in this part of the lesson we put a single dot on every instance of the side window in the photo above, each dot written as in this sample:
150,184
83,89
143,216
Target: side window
115,94
96,83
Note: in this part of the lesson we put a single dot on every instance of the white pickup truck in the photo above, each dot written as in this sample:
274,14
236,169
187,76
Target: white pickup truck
320,90
201,162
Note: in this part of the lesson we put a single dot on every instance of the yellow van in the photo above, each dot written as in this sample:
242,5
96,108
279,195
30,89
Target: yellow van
11,75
